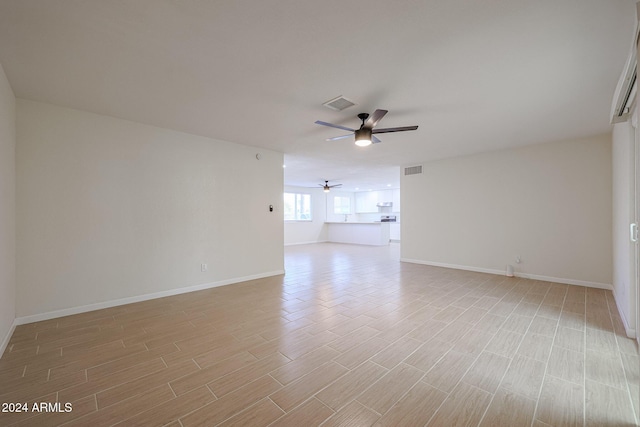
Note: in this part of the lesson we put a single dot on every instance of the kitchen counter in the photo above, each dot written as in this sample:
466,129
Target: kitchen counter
360,233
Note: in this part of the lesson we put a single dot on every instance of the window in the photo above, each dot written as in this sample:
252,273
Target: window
297,207
342,205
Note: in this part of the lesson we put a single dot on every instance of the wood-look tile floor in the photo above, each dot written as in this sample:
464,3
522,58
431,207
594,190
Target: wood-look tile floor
349,336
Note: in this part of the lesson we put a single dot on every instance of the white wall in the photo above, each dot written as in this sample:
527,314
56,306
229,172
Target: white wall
550,204
7,209
623,159
110,209
303,232
394,210
331,216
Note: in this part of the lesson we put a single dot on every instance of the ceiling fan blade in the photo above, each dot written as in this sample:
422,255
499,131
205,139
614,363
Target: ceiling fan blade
398,129
375,118
335,138
331,125
374,139
336,185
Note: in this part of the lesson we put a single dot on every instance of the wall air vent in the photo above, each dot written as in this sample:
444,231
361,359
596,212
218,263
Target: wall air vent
338,104
413,170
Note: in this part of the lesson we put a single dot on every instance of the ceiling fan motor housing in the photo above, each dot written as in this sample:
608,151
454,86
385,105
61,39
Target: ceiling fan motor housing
363,136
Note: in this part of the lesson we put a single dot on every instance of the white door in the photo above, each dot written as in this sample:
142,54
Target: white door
636,220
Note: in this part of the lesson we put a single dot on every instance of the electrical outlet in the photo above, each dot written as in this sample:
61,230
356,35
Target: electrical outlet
518,260
203,267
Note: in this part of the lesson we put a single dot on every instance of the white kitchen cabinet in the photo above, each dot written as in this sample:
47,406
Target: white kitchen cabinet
384,196
367,201
394,231
396,200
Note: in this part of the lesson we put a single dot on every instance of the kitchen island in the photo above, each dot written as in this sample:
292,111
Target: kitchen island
359,233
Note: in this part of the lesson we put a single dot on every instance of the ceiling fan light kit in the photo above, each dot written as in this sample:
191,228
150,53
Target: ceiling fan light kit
364,135
326,187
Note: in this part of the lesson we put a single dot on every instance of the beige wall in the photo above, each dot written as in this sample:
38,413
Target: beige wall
550,204
7,209
110,209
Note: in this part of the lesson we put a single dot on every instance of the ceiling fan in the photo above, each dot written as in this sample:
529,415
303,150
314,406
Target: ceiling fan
326,187
366,134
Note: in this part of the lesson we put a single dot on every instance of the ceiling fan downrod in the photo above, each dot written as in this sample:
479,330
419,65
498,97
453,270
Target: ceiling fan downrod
363,117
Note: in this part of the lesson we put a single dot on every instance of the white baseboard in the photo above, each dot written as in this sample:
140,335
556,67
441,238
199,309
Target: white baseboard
5,340
523,275
454,266
305,243
113,303
585,283
629,330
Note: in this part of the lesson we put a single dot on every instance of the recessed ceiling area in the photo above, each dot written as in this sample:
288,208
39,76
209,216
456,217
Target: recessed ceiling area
475,76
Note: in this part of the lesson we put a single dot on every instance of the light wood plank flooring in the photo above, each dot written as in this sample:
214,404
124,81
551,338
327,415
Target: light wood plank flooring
349,336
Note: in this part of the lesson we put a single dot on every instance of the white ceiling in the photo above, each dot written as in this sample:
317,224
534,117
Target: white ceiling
474,75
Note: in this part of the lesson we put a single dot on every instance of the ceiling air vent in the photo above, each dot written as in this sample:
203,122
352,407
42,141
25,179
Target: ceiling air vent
339,103
413,170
